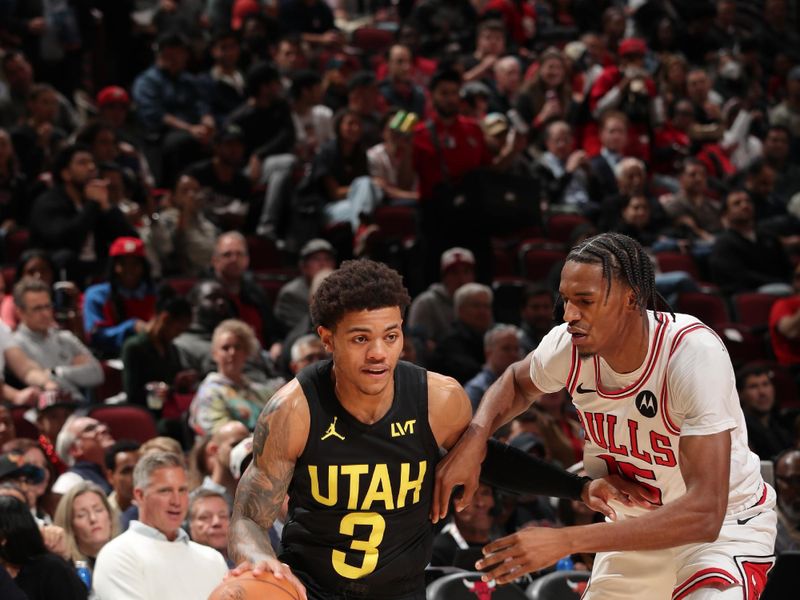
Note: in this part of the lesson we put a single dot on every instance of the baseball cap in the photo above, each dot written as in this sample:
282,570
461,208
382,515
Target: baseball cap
229,133
243,9
495,124
475,88
127,246
632,46
456,256
112,94
241,456
316,245
13,465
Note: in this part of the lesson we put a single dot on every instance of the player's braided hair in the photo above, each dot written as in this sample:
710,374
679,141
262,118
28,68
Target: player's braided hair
623,258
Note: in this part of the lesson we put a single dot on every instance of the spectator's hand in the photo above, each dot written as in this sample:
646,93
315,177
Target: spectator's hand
26,396
273,565
550,109
55,540
97,190
576,160
201,133
525,551
333,37
599,492
140,326
712,111
51,386
37,25
43,133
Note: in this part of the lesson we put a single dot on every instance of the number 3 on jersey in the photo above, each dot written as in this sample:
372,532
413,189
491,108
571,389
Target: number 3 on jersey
369,547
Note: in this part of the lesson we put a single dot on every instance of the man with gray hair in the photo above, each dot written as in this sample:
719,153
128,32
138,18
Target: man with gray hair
70,364
155,558
209,520
501,348
459,353
306,350
81,444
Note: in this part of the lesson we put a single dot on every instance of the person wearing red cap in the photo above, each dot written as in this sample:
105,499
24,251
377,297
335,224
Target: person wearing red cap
122,305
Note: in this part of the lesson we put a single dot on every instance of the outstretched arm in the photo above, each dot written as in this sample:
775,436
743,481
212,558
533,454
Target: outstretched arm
279,439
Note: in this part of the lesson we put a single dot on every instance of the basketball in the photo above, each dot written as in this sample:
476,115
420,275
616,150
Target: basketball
246,587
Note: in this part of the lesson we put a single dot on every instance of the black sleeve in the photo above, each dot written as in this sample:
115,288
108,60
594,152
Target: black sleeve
511,470
59,229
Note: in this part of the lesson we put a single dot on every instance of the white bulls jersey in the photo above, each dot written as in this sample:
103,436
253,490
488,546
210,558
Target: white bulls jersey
634,421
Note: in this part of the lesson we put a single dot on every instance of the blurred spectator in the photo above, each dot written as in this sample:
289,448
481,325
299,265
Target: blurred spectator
777,145
172,107
154,558
507,80
211,306
37,572
218,456
289,56
304,327
120,459
613,139
519,19
224,83
209,519
390,166
460,352
226,190
37,264
313,121
362,100
183,238
536,316
74,220
765,432
784,325
150,356
115,310
444,25
313,19
265,117
760,185
547,95
470,529
563,170
14,197
88,520
431,312
787,485
474,97
291,304
8,430
19,77
744,258
694,214
398,89
229,394
787,113
26,466
501,348
230,263
81,444
72,367
307,350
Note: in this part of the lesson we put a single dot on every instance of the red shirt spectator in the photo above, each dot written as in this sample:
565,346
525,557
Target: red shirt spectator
784,326
519,17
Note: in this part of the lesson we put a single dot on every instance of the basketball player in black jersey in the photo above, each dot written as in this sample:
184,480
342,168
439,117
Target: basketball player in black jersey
355,441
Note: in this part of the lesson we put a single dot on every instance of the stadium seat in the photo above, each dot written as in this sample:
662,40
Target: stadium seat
538,260
23,427
559,585
677,261
372,40
560,226
743,345
709,308
752,308
468,586
125,421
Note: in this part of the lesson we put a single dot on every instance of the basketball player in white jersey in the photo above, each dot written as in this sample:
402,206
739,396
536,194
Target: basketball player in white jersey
656,395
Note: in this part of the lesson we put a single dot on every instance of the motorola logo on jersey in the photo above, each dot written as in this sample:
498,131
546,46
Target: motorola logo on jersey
646,403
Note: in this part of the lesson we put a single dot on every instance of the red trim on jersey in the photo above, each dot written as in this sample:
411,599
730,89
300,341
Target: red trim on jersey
754,571
574,371
658,340
689,329
665,418
705,578
763,496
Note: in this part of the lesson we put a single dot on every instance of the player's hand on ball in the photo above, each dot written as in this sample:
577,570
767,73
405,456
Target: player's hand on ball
525,551
269,564
599,492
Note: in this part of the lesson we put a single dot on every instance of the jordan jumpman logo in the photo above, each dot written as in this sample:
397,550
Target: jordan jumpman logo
332,431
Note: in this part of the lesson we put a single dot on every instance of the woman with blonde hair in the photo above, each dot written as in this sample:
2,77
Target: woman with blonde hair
547,96
88,520
227,394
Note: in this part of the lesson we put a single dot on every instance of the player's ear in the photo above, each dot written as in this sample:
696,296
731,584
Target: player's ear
326,337
631,301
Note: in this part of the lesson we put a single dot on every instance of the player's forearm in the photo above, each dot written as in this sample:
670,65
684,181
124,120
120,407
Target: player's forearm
248,541
690,519
503,401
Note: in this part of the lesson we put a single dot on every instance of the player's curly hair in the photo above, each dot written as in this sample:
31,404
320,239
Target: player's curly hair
624,259
357,285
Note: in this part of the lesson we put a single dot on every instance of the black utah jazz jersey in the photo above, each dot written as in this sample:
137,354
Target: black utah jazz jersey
361,494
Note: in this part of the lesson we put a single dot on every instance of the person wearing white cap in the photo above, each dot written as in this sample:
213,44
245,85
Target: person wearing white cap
431,313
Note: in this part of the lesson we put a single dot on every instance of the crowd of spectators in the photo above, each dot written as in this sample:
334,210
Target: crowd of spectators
178,176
